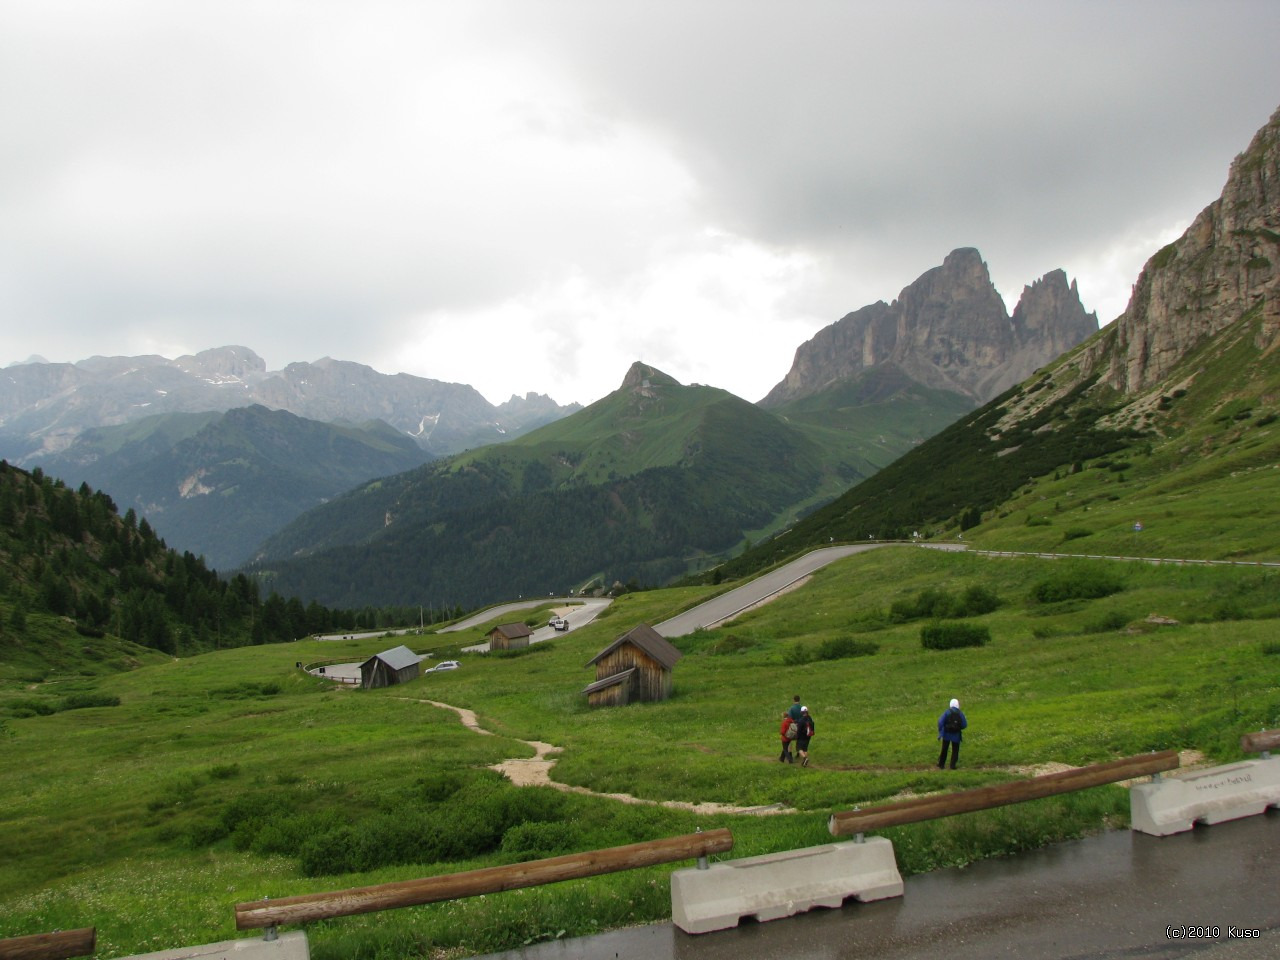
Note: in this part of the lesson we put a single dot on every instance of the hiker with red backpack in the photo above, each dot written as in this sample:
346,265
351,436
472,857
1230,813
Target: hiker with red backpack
789,730
950,724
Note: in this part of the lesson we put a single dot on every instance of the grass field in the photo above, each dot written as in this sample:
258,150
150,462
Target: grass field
234,775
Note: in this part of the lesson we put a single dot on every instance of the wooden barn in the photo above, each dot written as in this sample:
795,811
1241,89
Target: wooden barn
634,668
397,665
509,636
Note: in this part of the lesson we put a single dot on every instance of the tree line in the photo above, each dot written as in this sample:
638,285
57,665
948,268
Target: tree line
69,553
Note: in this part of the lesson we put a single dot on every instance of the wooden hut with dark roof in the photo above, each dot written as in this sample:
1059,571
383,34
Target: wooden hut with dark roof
634,668
397,665
509,636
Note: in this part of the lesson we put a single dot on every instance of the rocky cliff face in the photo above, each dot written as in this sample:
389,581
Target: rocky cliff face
948,330
1222,268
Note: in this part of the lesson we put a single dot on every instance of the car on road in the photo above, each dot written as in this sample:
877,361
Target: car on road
444,665
558,623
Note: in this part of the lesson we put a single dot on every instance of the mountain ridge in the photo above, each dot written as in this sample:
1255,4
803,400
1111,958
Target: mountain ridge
44,407
948,329
1168,412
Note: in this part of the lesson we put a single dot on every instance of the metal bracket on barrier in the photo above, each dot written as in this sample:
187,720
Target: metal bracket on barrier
269,931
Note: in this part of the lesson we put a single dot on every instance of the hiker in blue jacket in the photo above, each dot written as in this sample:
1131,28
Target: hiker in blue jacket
950,724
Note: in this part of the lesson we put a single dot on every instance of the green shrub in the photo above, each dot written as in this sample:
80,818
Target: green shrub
950,636
1113,620
977,600
927,603
729,644
32,708
1086,582
533,841
81,701
833,648
1271,648
242,691
939,605
1075,533
471,822
840,648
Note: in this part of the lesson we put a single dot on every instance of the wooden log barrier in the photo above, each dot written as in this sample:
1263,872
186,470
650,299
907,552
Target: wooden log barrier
999,795
1260,741
61,945
408,893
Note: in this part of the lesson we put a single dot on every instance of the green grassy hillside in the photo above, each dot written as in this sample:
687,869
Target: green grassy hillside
653,481
1063,463
205,781
217,484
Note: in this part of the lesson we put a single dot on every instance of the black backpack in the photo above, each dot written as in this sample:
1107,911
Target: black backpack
951,722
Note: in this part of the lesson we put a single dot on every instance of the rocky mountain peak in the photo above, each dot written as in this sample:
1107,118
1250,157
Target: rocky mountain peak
232,362
1049,314
1226,265
948,330
642,378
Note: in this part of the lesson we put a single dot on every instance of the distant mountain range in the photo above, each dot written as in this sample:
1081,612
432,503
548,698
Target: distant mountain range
217,483
44,407
659,479
219,453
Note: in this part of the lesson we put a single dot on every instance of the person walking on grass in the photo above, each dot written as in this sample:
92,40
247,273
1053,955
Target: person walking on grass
788,732
950,724
804,735
795,709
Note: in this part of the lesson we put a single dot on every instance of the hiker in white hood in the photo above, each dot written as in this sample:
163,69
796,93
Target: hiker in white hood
950,724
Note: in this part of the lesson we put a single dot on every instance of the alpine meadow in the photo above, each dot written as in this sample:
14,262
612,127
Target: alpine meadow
1111,587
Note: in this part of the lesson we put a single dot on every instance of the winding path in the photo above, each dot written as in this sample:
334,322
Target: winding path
536,772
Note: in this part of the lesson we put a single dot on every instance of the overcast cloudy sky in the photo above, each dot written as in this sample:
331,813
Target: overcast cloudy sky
528,196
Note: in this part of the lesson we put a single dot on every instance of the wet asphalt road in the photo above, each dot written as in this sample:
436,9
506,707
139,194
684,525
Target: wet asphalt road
1112,897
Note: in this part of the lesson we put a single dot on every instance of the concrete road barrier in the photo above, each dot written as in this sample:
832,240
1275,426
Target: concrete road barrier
1175,804
778,885
287,946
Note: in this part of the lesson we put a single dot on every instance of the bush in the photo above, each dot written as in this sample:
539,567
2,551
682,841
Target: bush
834,648
1115,620
533,841
81,701
1087,582
729,644
940,605
978,600
926,603
950,636
1075,533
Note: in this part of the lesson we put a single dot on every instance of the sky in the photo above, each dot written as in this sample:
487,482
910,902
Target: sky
530,195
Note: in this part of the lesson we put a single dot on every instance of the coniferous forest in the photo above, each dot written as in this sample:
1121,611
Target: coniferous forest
69,553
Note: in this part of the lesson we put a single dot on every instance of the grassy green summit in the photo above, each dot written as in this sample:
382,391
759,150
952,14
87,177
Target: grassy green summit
654,480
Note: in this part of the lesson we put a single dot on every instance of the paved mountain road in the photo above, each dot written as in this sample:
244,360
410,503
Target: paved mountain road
727,605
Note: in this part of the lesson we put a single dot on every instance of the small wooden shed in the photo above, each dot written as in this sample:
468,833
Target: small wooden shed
635,667
509,636
397,665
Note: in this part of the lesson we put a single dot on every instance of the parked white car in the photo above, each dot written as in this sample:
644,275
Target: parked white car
445,665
